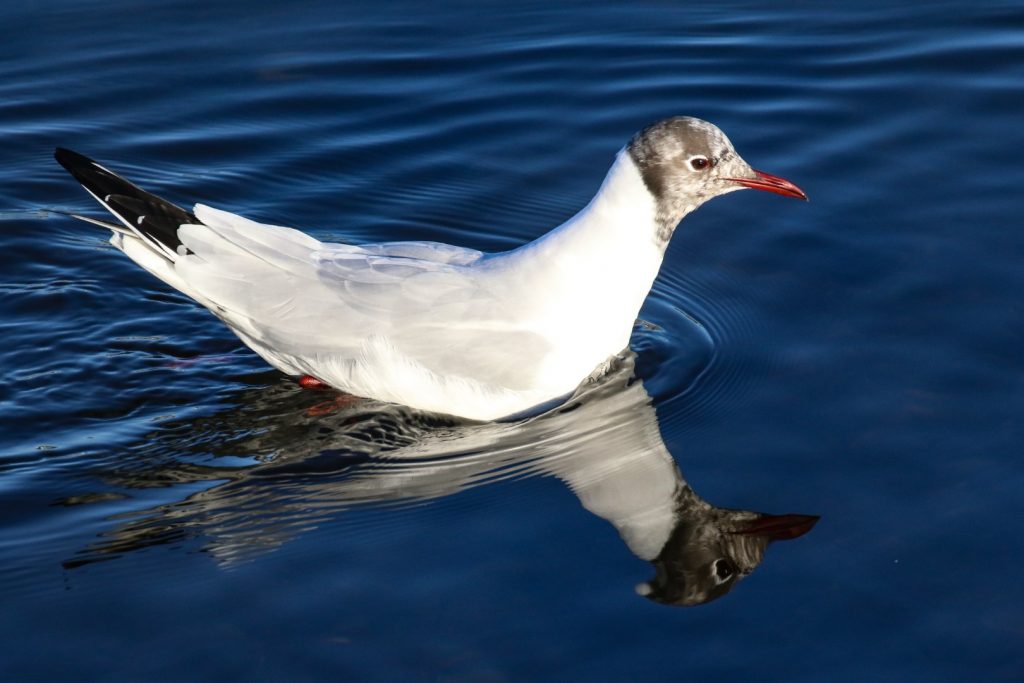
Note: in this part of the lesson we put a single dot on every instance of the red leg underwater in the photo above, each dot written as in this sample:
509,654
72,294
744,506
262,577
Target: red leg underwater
310,382
342,400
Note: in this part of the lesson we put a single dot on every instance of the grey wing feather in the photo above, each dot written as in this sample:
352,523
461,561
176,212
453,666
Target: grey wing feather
288,292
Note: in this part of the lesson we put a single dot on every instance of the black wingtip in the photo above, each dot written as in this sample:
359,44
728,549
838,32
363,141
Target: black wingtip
151,217
74,163
66,158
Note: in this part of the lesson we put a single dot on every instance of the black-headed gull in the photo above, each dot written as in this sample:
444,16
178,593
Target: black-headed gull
429,325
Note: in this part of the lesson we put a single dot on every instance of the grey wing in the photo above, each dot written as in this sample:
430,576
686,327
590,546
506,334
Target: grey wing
442,313
298,301
435,252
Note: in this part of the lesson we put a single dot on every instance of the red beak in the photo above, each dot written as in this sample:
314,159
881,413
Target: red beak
779,527
771,183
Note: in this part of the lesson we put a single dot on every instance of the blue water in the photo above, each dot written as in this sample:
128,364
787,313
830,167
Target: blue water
171,509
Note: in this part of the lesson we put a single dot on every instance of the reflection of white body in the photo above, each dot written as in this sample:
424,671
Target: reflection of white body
620,469
429,325
605,445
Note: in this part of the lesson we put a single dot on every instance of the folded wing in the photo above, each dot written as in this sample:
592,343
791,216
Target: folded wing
411,315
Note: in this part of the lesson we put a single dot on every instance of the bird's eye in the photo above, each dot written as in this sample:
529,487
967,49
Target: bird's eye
700,163
724,569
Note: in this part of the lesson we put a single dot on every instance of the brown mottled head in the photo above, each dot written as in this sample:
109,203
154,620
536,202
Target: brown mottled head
686,161
712,549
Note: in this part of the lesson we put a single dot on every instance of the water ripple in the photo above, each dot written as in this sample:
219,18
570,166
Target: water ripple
801,352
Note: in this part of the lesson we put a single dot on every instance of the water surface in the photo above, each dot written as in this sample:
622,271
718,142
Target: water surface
171,509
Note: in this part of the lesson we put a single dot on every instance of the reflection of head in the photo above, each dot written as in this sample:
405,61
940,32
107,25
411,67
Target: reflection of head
712,549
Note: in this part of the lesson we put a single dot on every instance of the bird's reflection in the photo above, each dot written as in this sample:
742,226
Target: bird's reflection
303,458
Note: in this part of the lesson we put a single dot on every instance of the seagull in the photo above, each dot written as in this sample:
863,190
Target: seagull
436,327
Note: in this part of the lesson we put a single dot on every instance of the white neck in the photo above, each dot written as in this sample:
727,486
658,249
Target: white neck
618,223
592,274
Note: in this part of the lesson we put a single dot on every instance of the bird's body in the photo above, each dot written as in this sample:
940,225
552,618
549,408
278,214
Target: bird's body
428,325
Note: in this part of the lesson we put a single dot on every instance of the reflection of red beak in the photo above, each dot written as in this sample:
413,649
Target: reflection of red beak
771,183
779,527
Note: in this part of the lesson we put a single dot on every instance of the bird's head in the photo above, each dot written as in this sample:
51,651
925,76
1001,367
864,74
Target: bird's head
686,161
710,551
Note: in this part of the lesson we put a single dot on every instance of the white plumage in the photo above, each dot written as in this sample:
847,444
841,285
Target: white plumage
428,325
